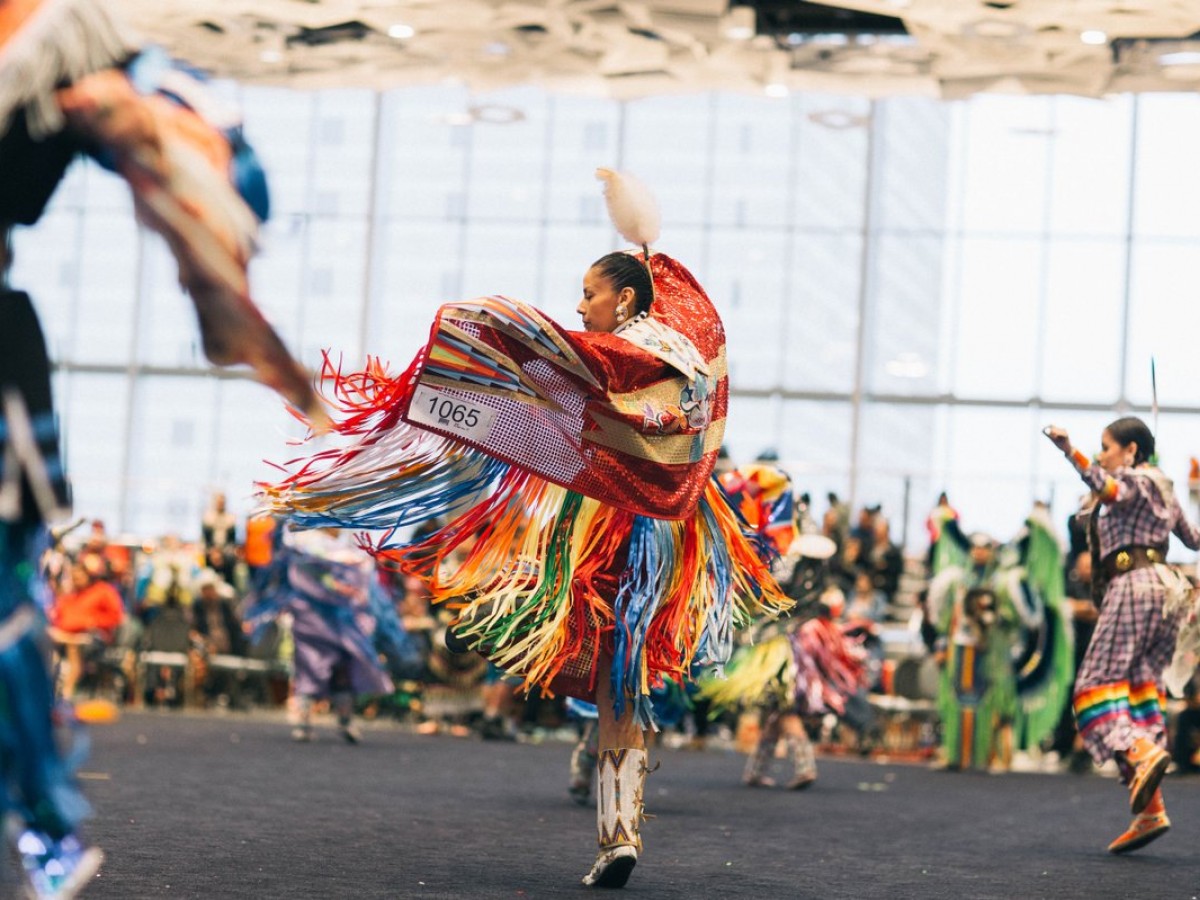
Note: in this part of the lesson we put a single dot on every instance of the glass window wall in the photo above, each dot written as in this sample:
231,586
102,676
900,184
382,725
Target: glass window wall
911,289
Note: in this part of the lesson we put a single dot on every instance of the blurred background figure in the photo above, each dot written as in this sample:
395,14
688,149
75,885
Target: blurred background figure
338,611
84,620
218,530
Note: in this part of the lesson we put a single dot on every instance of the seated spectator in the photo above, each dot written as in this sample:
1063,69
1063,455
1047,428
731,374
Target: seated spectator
169,569
94,552
866,602
259,547
169,632
864,530
418,620
846,563
88,614
885,561
217,629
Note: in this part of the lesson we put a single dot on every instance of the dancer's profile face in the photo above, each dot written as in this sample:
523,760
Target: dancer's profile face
1112,455
601,303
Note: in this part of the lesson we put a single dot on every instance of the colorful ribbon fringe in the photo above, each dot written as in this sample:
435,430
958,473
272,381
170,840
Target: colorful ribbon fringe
538,575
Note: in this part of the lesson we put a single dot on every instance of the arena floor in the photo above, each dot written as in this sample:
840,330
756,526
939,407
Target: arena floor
228,806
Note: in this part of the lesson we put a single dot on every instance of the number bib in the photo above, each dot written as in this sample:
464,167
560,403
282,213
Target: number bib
446,413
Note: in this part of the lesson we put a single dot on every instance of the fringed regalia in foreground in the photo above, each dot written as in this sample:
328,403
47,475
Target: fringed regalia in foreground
73,81
37,784
574,471
799,666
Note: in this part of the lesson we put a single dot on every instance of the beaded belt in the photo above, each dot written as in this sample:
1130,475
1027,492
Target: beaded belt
1126,559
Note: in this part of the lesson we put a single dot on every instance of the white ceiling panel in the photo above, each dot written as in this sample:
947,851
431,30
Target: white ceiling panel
950,48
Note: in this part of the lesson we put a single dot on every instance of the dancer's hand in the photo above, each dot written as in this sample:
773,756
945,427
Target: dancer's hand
1058,437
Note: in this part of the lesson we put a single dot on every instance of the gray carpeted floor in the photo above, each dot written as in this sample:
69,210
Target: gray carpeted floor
229,806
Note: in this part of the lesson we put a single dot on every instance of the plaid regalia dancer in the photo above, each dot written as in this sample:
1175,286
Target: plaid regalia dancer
1119,690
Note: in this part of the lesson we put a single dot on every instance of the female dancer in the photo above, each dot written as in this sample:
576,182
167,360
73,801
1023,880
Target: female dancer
341,621
603,558
1119,688
803,665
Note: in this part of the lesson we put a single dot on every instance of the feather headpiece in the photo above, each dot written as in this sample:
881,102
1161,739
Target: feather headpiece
631,207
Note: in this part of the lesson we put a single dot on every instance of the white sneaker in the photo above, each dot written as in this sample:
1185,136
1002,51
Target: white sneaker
57,870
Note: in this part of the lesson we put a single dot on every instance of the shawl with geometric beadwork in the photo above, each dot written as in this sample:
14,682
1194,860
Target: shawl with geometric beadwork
572,472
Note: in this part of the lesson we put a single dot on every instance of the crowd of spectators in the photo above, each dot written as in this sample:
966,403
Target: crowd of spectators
158,623
867,564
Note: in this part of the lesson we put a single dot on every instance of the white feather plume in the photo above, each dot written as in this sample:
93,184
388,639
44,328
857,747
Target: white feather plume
631,207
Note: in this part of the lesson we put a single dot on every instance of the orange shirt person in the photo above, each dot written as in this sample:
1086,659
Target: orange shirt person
260,537
93,605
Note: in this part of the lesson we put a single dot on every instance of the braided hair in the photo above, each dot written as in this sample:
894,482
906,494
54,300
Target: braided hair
1130,429
625,270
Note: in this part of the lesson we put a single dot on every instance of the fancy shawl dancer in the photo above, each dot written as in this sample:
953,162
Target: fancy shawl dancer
576,466
341,620
802,665
1119,688
73,81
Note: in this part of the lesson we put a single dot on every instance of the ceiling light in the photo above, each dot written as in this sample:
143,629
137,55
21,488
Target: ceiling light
775,89
1094,37
995,29
739,23
482,113
907,365
1181,58
400,31
495,114
837,119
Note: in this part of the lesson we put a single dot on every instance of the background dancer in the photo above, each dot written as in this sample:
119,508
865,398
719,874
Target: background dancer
578,465
970,603
803,665
1119,689
1043,661
800,666
340,621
